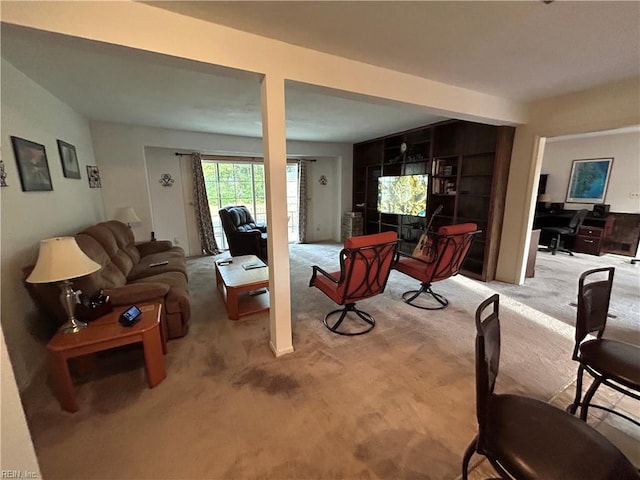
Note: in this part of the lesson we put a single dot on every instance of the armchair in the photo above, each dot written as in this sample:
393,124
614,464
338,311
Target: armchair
365,264
442,257
245,236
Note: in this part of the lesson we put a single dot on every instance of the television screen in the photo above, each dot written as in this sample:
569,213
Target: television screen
403,195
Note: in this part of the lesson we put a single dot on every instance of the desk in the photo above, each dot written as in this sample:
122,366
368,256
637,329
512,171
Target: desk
104,334
562,219
588,240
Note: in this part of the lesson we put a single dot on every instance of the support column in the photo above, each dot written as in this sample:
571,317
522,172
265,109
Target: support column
274,147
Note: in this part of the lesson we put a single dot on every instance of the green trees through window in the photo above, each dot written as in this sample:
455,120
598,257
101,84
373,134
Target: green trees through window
243,183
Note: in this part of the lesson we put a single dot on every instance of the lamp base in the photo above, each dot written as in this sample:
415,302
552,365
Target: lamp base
68,299
72,326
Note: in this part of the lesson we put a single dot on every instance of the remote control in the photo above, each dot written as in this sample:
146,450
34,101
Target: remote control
157,264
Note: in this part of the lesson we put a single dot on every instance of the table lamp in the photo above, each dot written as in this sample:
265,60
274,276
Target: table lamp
60,260
544,199
127,215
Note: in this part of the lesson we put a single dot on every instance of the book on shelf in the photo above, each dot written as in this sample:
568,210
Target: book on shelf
442,168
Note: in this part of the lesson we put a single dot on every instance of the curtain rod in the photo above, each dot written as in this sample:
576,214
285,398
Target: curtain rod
206,157
214,157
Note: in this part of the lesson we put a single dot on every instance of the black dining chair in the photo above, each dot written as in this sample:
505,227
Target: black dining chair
524,438
610,362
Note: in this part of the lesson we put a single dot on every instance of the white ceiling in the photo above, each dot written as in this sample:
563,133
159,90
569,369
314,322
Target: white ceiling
521,50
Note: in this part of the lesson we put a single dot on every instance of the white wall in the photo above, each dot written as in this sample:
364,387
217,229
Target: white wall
30,112
607,107
16,448
125,180
624,179
169,209
323,200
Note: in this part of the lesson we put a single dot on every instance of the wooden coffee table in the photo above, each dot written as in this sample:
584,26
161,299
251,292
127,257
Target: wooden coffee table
103,334
238,286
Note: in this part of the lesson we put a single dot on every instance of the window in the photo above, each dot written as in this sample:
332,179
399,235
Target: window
242,183
293,201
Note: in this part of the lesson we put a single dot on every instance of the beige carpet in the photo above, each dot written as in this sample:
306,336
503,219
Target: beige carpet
398,402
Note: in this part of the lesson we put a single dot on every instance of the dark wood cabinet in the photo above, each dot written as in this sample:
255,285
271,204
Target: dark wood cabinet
623,235
589,240
468,165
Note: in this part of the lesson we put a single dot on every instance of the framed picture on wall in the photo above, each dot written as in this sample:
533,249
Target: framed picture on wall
69,160
33,166
588,180
93,174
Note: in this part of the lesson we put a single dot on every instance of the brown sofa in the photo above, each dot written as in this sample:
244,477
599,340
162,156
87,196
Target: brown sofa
128,277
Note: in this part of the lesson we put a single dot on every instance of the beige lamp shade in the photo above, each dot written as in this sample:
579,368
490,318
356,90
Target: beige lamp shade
127,215
544,198
61,259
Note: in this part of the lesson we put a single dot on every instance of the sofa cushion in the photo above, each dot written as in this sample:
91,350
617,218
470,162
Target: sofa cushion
176,303
177,299
176,263
124,238
109,276
105,237
158,246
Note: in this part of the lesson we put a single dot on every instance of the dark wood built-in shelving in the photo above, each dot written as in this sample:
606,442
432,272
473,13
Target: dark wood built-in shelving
468,165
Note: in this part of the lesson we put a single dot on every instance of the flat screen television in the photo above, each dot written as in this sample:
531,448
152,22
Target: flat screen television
403,195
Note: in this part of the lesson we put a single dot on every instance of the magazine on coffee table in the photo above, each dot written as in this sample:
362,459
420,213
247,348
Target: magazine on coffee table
252,265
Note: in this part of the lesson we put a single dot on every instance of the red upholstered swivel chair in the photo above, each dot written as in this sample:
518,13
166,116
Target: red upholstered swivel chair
441,258
365,264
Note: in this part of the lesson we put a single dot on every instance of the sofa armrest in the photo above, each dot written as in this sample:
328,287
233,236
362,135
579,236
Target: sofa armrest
156,246
137,293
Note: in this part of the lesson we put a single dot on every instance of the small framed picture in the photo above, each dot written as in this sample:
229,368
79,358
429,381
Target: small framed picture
32,163
94,176
69,160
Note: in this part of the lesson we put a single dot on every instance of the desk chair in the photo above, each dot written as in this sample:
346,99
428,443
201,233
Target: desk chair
524,438
561,233
610,362
365,264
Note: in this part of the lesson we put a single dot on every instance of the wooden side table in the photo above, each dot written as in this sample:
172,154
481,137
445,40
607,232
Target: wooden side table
104,334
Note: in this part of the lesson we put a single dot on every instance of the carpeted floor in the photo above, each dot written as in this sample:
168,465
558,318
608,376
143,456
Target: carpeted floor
398,402
554,288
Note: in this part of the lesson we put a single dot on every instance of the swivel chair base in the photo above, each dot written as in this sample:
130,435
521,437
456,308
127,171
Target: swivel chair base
350,307
411,295
556,246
